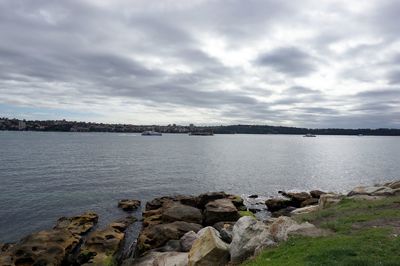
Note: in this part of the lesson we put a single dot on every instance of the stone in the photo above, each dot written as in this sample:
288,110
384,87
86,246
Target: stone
210,196
238,202
373,191
393,184
208,249
296,198
254,196
310,201
171,245
79,224
128,204
155,258
225,230
316,193
155,236
305,210
49,247
330,199
220,210
279,228
180,212
248,234
102,245
187,240
284,212
307,229
277,204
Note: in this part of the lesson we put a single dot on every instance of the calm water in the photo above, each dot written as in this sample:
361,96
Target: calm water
47,175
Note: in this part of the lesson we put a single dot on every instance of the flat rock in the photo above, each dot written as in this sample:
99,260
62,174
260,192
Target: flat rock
393,184
248,234
180,212
155,236
220,210
310,201
277,204
79,224
330,199
210,196
374,191
308,230
208,249
305,210
128,204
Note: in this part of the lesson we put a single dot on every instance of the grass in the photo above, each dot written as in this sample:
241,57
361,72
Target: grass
366,233
246,213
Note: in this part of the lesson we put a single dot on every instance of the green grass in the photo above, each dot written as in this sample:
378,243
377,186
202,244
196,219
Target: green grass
363,236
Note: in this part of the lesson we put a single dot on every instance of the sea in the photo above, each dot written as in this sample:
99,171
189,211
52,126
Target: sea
46,175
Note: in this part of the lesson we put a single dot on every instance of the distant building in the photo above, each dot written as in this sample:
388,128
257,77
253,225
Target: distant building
21,125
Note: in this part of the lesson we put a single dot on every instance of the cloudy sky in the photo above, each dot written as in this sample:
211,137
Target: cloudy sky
304,63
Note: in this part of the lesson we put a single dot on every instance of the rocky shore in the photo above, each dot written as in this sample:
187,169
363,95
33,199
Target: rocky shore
214,228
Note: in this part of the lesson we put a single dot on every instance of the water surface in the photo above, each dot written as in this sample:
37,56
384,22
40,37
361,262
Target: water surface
45,175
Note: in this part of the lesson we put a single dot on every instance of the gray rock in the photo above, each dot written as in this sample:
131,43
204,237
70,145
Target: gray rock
220,210
248,235
180,212
187,240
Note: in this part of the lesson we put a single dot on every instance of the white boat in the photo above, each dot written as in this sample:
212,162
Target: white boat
151,133
309,135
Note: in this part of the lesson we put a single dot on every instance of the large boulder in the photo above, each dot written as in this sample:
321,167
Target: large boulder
101,246
276,204
306,229
316,193
330,199
248,235
310,201
374,191
155,236
210,196
180,212
50,247
209,249
154,258
279,228
296,198
128,204
79,224
187,240
393,184
220,210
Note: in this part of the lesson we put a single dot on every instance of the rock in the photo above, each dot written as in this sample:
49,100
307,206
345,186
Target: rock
210,196
155,236
296,198
225,230
310,201
277,204
128,204
305,210
208,249
159,259
171,245
374,191
316,193
327,200
254,196
284,212
50,247
79,225
187,240
306,229
238,202
248,234
180,212
220,210
101,246
393,184
279,228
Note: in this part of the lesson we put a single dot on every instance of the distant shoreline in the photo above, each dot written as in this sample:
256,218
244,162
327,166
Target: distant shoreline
76,126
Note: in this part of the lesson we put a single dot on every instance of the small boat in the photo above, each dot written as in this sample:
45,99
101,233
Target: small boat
151,133
309,135
201,133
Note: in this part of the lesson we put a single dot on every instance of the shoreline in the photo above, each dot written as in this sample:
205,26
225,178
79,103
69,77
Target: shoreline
167,224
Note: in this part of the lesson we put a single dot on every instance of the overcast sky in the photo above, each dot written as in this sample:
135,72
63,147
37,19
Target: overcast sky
291,63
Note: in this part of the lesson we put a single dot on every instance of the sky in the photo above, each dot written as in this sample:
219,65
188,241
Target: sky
306,63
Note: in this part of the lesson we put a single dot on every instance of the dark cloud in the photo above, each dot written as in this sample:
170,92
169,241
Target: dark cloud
288,60
262,61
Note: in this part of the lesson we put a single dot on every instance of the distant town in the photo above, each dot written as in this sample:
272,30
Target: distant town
76,126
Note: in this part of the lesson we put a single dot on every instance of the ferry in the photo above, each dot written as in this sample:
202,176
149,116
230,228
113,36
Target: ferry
309,135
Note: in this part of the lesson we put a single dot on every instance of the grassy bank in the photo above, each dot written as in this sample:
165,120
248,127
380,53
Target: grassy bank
364,232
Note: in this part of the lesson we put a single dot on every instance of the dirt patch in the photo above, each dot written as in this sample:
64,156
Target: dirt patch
379,223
